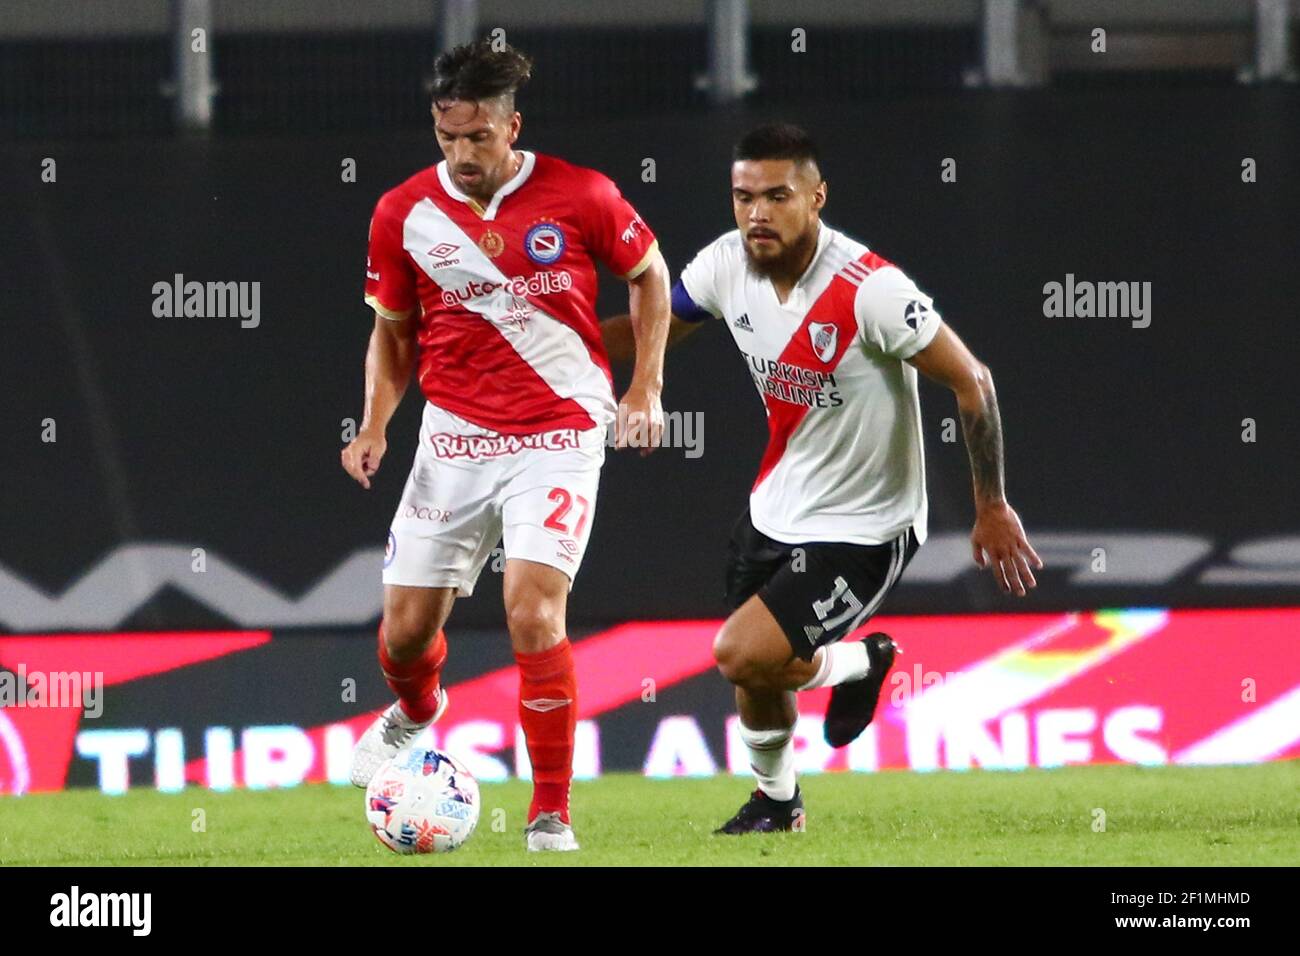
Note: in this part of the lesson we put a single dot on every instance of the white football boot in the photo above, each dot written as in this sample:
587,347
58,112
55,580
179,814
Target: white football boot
549,832
383,740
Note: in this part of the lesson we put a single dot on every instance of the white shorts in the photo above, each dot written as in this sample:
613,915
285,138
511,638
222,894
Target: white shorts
469,485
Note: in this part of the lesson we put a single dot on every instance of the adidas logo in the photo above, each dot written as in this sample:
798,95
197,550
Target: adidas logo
855,271
812,631
743,322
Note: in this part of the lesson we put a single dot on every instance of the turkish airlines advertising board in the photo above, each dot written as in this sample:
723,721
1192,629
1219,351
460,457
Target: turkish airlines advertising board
256,709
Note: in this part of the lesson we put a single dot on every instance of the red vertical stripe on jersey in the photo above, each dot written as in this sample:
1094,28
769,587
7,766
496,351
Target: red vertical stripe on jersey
834,306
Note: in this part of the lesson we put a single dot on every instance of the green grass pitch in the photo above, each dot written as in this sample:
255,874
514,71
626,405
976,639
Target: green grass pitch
1153,816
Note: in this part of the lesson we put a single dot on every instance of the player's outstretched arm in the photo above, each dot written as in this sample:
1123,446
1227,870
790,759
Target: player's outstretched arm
640,421
390,359
998,539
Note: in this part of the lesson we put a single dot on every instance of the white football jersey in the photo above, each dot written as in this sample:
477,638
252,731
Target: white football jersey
844,459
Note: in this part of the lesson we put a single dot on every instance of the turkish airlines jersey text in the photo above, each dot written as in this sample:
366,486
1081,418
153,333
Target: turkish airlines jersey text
509,338
844,460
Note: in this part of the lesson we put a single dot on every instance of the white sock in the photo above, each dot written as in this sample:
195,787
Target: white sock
839,664
771,757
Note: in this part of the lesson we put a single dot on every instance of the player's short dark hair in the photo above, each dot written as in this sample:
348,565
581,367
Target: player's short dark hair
778,141
480,71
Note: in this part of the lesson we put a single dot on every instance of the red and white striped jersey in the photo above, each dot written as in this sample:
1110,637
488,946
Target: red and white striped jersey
509,338
844,459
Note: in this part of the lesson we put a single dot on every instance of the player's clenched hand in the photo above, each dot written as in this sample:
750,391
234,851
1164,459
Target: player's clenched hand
640,421
999,543
362,456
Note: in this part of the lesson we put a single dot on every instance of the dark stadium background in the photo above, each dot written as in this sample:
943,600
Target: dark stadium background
201,434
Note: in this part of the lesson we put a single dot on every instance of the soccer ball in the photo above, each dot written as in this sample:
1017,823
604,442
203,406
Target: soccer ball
422,801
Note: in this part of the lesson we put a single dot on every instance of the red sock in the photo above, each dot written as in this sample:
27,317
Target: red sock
415,682
548,712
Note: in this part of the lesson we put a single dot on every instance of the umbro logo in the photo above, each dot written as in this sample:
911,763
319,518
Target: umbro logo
743,322
915,314
443,255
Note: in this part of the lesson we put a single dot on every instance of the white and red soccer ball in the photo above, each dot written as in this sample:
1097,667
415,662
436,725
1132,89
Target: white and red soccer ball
422,801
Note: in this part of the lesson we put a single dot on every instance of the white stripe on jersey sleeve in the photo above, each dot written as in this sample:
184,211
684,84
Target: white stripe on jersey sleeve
855,272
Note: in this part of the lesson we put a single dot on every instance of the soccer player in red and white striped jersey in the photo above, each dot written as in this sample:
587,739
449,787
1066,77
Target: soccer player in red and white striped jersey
482,277
833,336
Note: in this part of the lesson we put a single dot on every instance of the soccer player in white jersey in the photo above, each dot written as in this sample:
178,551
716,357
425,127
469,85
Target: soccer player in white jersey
833,336
482,276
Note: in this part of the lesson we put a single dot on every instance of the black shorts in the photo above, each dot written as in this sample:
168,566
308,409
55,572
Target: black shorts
818,592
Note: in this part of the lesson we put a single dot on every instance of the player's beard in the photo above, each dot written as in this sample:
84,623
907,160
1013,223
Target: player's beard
789,262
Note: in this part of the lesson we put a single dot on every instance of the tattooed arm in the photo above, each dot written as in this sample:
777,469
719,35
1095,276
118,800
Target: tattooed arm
998,540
